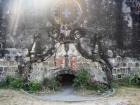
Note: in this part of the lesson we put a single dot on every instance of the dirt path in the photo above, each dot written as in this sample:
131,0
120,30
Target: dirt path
67,93
124,96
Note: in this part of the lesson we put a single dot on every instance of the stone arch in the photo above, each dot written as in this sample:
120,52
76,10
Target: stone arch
65,77
71,72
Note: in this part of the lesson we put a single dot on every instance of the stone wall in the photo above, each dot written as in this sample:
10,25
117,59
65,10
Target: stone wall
126,67
7,68
122,67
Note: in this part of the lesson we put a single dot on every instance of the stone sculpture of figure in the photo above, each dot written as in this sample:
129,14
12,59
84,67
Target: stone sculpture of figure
77,34
65,32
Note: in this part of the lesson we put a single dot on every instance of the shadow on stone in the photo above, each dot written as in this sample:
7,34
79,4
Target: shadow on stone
66,79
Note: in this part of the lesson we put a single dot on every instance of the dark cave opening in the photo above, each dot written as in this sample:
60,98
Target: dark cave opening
66,79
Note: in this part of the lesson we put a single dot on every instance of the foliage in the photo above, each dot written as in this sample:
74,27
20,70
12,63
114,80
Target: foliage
132,80
4,83
98,87
101,87
33,86
11,82
51,84
123,82
82,81
17,83
81,78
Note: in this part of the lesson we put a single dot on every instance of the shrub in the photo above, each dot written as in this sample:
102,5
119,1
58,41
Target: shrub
33,86
5,83
8,80
51,84
101,87
130,81
83,81
11,82
134,80
17,83
115,84
124,82
81,78
98,87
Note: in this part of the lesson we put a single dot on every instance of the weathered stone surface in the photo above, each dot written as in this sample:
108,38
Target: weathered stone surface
8,68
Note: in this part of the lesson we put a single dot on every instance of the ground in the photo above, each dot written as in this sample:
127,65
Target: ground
123,96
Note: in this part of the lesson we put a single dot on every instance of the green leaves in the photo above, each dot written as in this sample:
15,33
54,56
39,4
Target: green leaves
81,78
33,86
132,80
51,84
82,81
12,82
17,83
101,87
30,86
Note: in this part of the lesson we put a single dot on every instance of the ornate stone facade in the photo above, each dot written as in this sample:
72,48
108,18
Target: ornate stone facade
55,64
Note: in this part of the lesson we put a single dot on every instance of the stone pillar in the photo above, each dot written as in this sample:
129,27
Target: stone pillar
66,61
66,45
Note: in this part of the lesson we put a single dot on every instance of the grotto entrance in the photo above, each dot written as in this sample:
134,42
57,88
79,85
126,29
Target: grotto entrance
65,77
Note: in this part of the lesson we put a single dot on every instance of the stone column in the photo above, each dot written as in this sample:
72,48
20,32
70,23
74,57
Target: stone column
66,46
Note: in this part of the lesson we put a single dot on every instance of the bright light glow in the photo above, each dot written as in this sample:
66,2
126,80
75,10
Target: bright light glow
14,13
18,8
42,3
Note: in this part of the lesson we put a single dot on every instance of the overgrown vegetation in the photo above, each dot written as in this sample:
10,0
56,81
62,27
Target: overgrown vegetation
31,86
81,78
82,81
12,82
18,83
51,84
98,87
131,81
